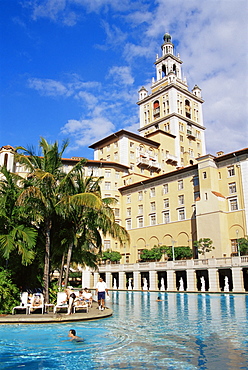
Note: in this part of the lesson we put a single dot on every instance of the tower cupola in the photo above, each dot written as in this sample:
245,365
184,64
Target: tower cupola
167,47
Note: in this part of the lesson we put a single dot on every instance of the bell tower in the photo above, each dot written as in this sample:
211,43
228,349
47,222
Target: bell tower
172,109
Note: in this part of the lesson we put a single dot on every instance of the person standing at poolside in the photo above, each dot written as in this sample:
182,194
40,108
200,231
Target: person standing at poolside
101,289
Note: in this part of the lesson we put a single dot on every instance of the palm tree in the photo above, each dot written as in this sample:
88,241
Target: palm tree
88,223
16,233
42,192
45,187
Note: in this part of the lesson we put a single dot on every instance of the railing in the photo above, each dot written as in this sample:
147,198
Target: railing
178,264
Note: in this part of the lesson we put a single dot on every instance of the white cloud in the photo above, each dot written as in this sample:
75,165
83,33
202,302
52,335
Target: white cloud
211,37
87,131
49,87
122,75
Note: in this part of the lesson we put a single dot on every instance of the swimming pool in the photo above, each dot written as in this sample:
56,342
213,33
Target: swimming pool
183,331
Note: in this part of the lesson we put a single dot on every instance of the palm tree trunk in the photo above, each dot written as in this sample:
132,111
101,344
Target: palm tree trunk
61,271
68,261
46,277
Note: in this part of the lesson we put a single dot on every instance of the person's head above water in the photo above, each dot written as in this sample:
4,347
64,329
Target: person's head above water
72,332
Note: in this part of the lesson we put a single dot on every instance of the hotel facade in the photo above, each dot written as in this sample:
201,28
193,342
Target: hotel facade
169,191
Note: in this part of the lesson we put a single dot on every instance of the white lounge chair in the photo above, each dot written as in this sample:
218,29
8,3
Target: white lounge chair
37,301
61,301
81,306
24,305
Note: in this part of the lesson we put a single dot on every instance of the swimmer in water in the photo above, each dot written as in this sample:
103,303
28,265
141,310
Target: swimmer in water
158,299
73,337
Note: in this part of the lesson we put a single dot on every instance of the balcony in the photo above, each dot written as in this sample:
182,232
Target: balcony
191,135
147,162
171,159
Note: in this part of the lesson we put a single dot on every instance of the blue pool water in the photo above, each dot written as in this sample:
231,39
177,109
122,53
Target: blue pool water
184,331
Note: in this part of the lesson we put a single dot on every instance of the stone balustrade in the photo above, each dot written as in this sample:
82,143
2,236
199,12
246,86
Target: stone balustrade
228,274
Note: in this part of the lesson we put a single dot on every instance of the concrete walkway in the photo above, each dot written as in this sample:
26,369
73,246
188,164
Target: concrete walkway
60,316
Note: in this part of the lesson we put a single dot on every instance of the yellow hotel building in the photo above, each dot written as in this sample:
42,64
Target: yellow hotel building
170,191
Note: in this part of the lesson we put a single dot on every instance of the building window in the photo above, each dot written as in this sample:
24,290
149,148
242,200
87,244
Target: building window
165,188
140,222
156,109
230,171
128,198
117,212
131,144
181,138
204,175
232,188
140,209
152,192
117,174
107,173
131,167
131,155
181,214
153,206
181,127
167,127
196,195
233,204
108,147
106,245
140,195
152,219
116,156
108,157
234,244
166,217
116,144
129,211
196,180
181,200
107,185
182,149
187,108
191,153
180,184
166,203
128,224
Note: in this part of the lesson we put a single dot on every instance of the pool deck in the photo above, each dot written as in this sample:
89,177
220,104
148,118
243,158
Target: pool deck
50,317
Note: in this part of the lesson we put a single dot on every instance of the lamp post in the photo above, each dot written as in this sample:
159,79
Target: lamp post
173,249
237,233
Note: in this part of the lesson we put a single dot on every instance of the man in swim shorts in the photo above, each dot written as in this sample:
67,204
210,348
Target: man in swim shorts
101,289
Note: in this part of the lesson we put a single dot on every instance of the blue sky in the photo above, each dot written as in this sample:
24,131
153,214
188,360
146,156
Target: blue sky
73,68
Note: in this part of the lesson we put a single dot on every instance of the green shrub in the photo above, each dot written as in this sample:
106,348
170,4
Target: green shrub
153,254
179,252
9,293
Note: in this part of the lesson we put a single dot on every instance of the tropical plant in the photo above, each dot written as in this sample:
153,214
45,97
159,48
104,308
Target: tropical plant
204,245
113,256
42,192
9,293
153,254
179,253
243,245
67,209
16,232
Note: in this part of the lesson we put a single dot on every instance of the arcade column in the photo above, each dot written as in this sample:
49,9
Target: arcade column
238,280
213,276
171,281
136,280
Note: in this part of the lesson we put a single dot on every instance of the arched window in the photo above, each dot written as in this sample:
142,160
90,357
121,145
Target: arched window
175,69
156,109
5,160
187,108
164,70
